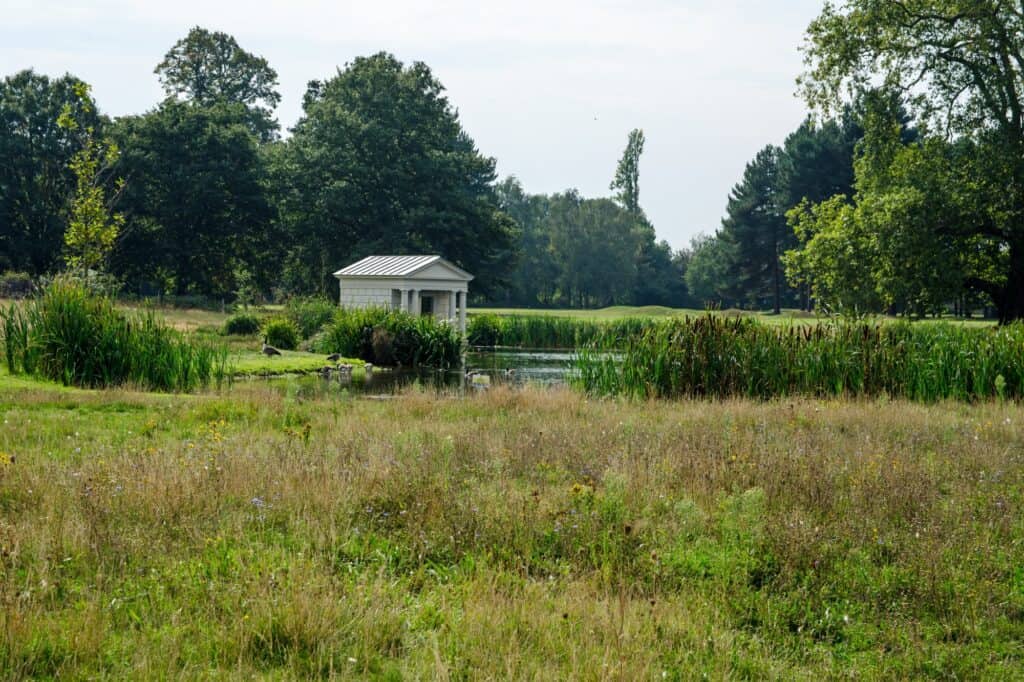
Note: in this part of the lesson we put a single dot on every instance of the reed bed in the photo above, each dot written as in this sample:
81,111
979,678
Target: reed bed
391,337
550,332
78,338
715,357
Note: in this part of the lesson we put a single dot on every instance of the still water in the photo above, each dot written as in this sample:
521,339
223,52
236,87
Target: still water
548,368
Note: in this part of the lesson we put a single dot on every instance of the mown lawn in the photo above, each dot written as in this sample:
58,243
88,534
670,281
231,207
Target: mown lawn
530,534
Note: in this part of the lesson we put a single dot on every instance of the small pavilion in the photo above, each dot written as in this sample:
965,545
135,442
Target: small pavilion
420,285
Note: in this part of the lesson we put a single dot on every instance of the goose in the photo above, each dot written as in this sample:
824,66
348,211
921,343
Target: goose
368,367
334,357
269,350
510,373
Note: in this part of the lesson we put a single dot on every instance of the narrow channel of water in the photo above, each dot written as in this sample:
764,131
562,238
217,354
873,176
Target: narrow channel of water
492,368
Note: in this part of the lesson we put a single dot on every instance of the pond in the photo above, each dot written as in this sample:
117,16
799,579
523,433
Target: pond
482,369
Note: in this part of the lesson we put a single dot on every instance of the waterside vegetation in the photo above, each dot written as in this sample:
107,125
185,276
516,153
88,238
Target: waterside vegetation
714,357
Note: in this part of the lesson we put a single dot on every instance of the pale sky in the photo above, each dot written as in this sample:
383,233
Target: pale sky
550,89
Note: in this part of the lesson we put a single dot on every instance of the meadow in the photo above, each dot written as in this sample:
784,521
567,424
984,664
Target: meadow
252,530
514,534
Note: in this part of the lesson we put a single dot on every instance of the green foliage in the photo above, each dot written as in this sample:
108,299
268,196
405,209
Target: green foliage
756,230
208,67
627,174
71,335
384,336
92,227
380,163
310,314
242,324
35,177
281,333
200,219
715,357
961,60
707,273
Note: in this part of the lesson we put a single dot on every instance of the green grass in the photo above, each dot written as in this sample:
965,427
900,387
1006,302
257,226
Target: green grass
255,363
512,535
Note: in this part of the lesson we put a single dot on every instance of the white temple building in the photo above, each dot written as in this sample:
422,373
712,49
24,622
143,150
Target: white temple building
420,285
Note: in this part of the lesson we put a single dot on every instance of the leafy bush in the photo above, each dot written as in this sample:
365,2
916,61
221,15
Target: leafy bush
310,314
242,324
716,357
72,335
281,332
15,285
385,337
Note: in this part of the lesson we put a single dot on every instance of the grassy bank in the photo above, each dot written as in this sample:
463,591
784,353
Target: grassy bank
512,535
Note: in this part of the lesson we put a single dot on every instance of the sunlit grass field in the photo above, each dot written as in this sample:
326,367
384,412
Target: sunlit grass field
512,534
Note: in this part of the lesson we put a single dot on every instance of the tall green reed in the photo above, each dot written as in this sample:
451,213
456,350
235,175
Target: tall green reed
79,338
715,357
548,331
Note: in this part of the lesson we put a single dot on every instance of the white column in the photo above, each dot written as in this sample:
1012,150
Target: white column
404,304
462,311
415,302
451,306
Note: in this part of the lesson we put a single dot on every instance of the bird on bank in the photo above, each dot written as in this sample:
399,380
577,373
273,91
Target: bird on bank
334,357
269,350
510,373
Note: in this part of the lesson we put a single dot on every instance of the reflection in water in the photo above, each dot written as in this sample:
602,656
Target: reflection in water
500,367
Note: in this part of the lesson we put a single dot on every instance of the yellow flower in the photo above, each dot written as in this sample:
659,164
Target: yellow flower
6,459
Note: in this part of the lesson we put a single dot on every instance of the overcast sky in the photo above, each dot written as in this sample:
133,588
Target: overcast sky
549,88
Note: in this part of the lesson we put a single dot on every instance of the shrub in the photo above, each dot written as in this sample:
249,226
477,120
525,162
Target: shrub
281,333
16,285
242,324
77,337
386,337
310,314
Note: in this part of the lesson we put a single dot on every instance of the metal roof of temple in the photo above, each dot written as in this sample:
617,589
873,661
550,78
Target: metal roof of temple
395,266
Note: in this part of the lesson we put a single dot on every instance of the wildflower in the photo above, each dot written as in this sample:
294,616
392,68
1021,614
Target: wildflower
6,459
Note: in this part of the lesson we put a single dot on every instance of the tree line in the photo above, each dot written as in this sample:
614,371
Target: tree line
210,200
902,192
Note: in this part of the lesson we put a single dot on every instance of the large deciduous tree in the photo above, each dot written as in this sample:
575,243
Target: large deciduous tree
197,209
35,179
379,163
962,62
208,67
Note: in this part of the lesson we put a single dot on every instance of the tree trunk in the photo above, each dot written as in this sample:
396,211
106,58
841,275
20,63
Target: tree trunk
778,286
1010,302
